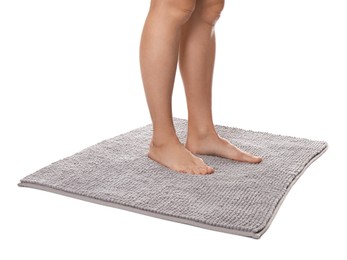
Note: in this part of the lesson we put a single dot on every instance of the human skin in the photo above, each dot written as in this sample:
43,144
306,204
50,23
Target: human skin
182,32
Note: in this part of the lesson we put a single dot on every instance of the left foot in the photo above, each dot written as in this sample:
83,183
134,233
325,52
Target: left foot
213,144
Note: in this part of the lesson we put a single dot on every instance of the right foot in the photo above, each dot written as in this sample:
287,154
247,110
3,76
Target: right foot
176,157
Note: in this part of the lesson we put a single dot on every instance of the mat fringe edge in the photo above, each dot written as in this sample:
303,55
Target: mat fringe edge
254,235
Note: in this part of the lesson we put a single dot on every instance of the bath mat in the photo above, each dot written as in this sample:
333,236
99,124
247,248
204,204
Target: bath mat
238,198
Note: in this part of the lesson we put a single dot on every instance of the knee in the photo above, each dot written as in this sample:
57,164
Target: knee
178,10
210,11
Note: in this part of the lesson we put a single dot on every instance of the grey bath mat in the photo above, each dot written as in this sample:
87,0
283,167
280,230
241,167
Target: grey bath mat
238,198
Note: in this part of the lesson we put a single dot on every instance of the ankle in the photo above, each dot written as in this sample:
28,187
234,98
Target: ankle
201,132
157,142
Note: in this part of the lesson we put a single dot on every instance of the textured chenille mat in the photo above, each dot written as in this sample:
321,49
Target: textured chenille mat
238,198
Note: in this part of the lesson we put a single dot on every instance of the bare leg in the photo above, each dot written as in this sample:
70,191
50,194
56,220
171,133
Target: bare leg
196,60
158,60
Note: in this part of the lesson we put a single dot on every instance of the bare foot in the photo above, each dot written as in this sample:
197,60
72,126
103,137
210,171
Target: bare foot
176,157
213,144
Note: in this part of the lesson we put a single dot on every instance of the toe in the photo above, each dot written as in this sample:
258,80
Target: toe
207,170
250,158
210,169
181,170
257,159
204,170
199,170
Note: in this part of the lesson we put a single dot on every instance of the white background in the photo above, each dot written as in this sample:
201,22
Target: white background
70,78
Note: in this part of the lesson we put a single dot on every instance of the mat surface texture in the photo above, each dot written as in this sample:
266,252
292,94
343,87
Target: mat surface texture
238,198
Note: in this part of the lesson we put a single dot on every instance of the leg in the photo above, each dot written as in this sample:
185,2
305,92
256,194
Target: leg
196,60
158,60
